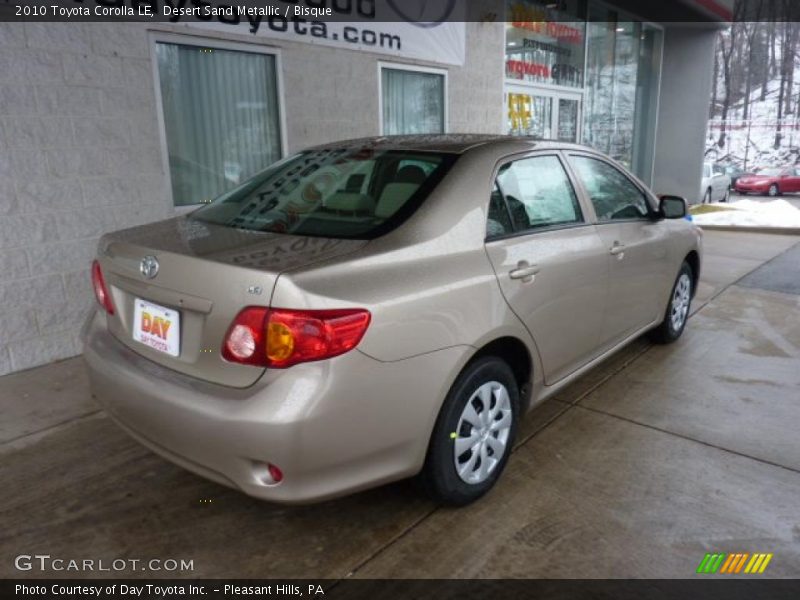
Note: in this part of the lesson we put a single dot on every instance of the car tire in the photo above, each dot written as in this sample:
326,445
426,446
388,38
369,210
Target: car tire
707,197
774,190
488,378
677,313
727,195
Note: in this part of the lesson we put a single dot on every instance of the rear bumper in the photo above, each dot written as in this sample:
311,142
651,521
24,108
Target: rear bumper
333,427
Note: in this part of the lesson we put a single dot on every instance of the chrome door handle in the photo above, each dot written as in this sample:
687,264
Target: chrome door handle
618,249
524,271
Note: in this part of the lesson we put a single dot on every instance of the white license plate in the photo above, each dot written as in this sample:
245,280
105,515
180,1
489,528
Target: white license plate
157,327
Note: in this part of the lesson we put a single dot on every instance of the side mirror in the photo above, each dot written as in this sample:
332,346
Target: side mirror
672,207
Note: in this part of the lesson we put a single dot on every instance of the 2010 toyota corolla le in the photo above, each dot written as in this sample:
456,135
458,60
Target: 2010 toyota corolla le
376,309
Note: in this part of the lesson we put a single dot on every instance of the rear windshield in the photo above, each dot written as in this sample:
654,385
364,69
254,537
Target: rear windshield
358,193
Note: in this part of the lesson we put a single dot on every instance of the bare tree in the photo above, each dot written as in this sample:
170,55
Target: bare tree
712,111
727,43
789,34
751,30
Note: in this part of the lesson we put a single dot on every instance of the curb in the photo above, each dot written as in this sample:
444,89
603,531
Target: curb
776,230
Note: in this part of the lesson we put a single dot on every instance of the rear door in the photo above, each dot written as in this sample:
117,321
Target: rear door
635,245
550,262
792,181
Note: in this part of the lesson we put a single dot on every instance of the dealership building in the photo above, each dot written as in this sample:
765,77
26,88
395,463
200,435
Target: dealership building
106,125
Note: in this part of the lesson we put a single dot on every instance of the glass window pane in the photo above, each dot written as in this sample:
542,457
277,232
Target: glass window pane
413,102
622,74
220,115
567,120
613,195
332,192
545,42
538,193
499,221
530,115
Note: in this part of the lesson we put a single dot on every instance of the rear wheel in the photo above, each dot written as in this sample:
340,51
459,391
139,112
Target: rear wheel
474,433
707,197
727,195
677,312
774,190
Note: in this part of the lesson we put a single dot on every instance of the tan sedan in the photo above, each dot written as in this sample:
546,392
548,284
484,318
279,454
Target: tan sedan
377,309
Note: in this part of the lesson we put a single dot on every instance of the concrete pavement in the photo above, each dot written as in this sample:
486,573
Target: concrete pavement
652,459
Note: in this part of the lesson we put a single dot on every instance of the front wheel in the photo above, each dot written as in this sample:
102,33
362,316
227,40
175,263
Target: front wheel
707,197
677,312
774,190
727,195
474,433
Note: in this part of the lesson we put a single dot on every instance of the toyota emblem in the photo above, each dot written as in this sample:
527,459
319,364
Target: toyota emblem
149,267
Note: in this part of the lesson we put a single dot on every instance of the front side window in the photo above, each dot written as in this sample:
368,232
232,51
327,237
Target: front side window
413,102
357,193
613,195
538,193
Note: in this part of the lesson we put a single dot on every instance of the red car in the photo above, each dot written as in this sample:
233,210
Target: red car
772,182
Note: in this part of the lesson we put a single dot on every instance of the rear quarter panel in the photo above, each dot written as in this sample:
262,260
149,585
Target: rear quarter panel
429,284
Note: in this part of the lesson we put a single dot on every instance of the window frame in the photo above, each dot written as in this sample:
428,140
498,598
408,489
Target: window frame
396,66
652,202
181,39
585,220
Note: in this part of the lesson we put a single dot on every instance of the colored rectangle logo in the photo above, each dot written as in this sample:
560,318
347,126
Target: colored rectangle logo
734,563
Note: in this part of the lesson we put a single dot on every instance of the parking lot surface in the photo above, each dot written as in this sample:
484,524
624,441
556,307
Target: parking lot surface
661,454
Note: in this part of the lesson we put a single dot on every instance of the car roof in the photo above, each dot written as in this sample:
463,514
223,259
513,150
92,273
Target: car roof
455,143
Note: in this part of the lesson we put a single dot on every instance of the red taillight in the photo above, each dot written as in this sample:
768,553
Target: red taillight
245,340
100,289
280,338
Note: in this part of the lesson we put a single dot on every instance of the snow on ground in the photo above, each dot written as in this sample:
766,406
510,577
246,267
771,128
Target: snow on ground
752,213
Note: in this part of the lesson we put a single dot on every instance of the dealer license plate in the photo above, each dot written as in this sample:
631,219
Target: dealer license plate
157,326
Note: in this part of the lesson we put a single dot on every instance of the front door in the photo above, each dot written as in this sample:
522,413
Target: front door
635,245
550,262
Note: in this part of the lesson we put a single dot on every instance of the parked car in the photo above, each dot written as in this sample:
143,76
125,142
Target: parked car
715,186
770,181
734,173
376,309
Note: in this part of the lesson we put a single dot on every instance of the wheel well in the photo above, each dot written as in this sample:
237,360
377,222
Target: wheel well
694,261
515,353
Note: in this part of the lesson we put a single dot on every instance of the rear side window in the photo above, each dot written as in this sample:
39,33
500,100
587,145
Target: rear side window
499,222
613,195
357,193
538,193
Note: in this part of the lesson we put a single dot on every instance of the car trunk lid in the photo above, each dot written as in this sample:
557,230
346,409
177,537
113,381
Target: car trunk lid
206,274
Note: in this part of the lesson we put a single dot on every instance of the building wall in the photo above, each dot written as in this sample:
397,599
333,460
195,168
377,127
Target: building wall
683,110
79,156
81,151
